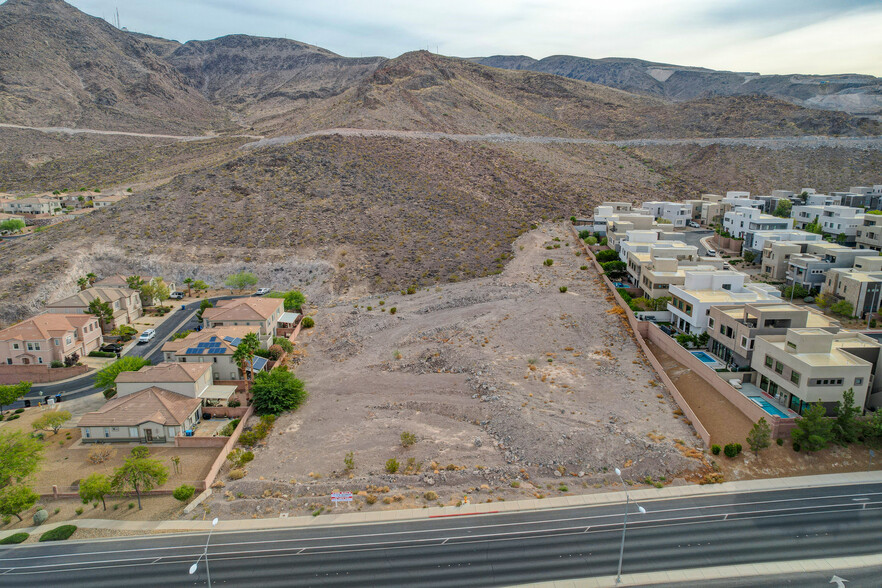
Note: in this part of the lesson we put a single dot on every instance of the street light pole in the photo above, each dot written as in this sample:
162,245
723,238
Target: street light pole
204,554
625,525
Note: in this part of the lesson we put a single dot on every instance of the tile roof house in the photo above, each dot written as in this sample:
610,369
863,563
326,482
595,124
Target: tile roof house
261,313
45,338
126,304
120,281
32,205
151,415
193,380
213,347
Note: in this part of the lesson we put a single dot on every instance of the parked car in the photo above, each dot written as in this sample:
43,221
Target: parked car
146,336
262,291
711,253
176,295
694,225
112,347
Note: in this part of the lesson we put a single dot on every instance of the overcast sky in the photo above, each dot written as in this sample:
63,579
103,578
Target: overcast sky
766,36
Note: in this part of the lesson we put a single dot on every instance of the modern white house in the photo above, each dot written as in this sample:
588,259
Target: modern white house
677,214
745,220
760,238
690,303
649,241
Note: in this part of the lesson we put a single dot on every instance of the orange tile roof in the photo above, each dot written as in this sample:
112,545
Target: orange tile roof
243,309
165,372
148,405
45,326
84,297
191,340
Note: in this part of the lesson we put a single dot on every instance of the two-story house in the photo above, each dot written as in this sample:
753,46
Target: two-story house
261,314
214,346
860,285
124,303
45,338
743,222
32,205
869,234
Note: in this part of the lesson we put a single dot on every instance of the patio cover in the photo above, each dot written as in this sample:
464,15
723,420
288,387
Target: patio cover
216,392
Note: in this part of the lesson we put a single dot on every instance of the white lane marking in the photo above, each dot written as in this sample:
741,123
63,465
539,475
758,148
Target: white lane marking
451,529
379,546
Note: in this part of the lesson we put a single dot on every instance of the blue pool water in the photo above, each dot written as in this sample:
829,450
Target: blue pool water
769,407
620,285
704,357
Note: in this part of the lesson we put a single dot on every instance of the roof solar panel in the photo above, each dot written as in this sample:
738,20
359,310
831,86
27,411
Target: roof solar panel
259,363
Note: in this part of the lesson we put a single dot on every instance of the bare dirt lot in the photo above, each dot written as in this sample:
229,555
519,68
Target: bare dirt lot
511,387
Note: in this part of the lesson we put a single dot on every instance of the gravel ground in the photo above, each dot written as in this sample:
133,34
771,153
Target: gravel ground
512,389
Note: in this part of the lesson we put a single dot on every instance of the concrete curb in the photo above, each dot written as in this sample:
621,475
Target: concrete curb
832,566
387,516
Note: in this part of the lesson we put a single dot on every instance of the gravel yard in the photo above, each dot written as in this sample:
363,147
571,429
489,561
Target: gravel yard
511,388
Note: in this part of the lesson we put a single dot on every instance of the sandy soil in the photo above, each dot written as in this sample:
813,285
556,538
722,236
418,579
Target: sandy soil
504,381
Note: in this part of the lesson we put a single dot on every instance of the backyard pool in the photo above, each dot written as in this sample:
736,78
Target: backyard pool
769,407
620,285
707,360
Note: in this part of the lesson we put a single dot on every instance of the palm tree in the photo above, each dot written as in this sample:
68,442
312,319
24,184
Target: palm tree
91,277
244,355
189,283
83,283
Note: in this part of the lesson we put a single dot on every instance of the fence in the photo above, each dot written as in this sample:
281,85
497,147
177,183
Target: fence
39,374
228,446
225,411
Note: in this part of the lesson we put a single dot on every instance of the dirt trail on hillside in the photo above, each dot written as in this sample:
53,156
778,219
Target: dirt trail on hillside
73,131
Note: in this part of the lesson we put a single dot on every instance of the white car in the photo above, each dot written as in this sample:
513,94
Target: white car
694,225
262,291
147,336
711,253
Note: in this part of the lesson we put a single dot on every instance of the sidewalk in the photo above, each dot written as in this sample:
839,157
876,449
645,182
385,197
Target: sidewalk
644,495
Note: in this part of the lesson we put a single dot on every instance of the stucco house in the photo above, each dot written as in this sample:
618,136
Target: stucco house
32,205
121,281
212,347
126,304
45,338
193,380
262,314
151,415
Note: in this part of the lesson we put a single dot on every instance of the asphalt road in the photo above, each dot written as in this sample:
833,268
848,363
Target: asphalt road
85,385
480,550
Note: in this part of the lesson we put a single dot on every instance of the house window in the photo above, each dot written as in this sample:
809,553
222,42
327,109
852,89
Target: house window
15,346
727,286
791,345
710,324
68,340
744,342
56,342
133,432
39,360
779,367
87,432
769,361
9,360
33,346
106,432
794,377
858,381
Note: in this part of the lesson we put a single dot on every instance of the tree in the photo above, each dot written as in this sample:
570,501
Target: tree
813,431
9,394
760,436
241,281
814,227
51,421
189,283
200,286
12,225
843,307
293,299
19,457
156,290
796,290
134,282
139,474
95,487
846,428
277,391
824,300
83,283
244,355
16,499
106,378
614,268
841,238
202,306
749,256
607,255
783,208
102,310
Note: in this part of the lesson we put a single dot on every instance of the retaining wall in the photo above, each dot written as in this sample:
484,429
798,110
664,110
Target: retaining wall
39,374
184,441
228,446
225,411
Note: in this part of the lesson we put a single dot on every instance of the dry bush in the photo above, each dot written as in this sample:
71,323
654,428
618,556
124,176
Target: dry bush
237,474
101,452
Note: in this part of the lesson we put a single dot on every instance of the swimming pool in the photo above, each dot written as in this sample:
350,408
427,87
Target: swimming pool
620,285
769,407
708,360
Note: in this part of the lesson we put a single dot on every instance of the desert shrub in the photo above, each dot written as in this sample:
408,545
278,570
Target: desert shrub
779,441
58,533
101,452
14,539
12,417
234,403
407,439
370,498
548,262
140,452
583,267
796,446
184,492
562,289
56,364
237,474
732,449
307,322
392,465
431,495
229,428
276,352
349,461
715,449
284,343
393,310
79,511
239,458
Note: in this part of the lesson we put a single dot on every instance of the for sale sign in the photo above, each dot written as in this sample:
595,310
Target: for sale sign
341,497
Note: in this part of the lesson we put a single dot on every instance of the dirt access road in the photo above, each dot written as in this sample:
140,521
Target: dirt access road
511,387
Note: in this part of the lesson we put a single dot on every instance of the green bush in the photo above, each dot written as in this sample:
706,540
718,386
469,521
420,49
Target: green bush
591,241
184,492
562,289
584,234
392,465
284,343
109,393
393,310
779,441
407,439
19,410
732,449
56,364
97,353
608,255
229,428
583,267
796,446
715,449
58,533
548,262
307,322
14,539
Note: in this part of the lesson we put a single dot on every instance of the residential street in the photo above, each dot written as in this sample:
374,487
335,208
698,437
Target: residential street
484,550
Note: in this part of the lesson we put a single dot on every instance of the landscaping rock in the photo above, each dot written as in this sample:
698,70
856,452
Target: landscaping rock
40,517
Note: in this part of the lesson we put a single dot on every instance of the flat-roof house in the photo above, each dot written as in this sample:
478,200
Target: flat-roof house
659,273
48,337
124,302
260,313
869,234
860,285
810,365
212,347
151,415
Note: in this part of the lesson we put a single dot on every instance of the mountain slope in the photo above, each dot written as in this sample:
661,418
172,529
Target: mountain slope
852,93
425,92
261,75
61,67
